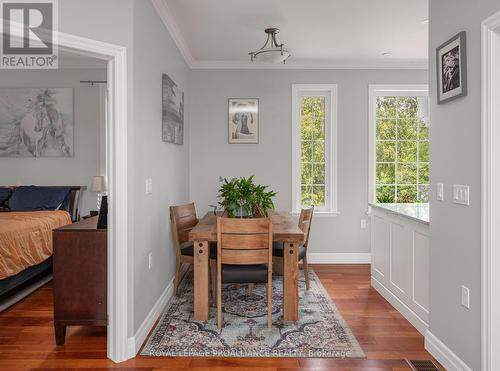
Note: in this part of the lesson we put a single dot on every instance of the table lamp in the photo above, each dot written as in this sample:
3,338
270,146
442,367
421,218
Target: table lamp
98,184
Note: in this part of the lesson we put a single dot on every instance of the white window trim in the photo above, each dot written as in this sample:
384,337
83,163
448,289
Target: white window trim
394,90
331,207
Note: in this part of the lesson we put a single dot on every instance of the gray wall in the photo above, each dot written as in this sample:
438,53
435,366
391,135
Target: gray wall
167,164
270,160
456,159
76,170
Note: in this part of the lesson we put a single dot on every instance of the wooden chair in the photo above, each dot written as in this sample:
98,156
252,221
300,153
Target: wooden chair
183,218
244,255
305,220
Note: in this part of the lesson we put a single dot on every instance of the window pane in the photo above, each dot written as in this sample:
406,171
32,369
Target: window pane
407,107
386,129
386,174
386,194
306,125
306,151
306,195
306,173
407,129
386,151
406,194
318,196
423,173
407,174
387,107
407,151
423,131
423,193
319,151
319,174
423,151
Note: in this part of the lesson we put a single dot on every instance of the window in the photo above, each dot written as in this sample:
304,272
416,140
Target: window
313,144
399,144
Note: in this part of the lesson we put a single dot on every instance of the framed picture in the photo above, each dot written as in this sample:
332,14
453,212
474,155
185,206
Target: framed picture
452,69
172,125
243,125
36,122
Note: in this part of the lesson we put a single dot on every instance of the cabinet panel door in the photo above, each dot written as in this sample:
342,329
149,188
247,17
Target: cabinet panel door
381,231
400,260
421,272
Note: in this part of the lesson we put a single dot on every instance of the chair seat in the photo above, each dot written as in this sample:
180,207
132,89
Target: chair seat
256,273
188,250
278,249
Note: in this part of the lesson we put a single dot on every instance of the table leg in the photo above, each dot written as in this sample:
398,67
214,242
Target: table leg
201,280
290,281
60,332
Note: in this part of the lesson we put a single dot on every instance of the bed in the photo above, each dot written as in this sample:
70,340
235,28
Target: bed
26,242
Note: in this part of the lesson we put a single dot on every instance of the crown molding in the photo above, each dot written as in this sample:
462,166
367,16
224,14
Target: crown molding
312,65
168,20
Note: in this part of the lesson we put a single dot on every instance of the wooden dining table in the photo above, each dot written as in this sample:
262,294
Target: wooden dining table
285,229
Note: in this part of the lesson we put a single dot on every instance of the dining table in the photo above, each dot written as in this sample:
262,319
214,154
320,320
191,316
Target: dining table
285,229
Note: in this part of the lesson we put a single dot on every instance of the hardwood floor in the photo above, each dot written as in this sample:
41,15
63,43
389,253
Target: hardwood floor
27,336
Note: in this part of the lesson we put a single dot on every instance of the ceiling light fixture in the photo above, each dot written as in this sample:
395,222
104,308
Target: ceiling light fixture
387,54
271,52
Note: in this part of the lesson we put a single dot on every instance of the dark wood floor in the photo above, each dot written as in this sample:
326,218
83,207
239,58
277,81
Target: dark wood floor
27,336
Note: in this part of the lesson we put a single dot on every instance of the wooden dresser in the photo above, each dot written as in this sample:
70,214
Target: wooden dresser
80,276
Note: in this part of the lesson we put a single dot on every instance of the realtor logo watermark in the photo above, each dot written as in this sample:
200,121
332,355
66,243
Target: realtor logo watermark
29,34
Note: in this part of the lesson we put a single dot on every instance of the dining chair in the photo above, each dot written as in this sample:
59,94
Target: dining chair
183,219
305,220
244,255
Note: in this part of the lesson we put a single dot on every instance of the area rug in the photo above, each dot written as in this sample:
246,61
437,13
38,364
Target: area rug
320,332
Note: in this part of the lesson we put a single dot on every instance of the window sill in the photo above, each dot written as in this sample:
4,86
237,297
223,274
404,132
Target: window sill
321,214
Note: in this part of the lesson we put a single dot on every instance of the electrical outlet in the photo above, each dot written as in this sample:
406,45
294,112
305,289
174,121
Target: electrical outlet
440,192
150,260
149,186
363,223
465,297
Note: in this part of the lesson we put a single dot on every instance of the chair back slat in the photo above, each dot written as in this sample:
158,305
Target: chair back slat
244,241
183,218
305,221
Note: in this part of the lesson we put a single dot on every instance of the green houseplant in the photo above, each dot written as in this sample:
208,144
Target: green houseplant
242,198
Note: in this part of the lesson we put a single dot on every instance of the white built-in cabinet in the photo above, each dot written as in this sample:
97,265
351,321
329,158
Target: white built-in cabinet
400,263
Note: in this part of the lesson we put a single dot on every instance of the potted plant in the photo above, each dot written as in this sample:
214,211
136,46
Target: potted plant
242,198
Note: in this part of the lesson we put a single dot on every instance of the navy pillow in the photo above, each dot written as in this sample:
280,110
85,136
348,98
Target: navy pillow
4,195
32,198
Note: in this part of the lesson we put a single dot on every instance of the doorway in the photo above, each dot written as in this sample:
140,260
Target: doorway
490,319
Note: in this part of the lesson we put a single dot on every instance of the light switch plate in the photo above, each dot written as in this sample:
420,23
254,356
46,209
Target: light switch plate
150,260
149,186
466,297
461,194
440,192
363,223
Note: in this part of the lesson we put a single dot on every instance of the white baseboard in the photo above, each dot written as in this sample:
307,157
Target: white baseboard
135,342
402,308
339,258
443,354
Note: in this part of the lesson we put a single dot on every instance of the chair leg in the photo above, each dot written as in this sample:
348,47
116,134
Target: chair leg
269,289
219,300
250,289
177,277
306,272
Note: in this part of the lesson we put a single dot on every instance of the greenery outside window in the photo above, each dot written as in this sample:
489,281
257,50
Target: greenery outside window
399,144
314,127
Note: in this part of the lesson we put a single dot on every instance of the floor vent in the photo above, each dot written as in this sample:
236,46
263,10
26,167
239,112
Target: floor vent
422,365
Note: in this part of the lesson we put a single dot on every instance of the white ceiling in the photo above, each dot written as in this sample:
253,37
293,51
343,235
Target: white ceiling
320,33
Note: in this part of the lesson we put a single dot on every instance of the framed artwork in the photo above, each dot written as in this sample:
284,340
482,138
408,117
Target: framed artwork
36,122
172,112
452,69
243,123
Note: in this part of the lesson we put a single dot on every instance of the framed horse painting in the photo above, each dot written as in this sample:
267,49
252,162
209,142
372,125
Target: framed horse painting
36,122
243,125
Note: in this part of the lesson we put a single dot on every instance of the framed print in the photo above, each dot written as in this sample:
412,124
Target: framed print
172,111
243,125
451,66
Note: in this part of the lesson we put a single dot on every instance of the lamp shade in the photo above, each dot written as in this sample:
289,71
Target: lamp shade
98,184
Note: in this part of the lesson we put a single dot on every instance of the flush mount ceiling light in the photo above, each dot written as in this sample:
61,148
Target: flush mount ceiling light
271,52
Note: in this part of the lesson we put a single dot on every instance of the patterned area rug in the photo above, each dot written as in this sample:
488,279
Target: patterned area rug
320,332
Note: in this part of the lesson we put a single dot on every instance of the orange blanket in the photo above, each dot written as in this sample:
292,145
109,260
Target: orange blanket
26,238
